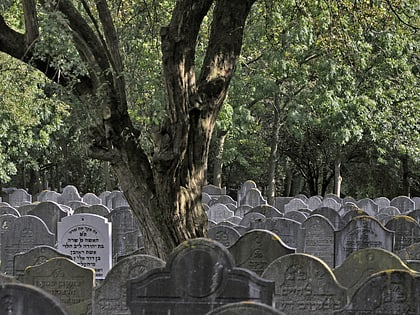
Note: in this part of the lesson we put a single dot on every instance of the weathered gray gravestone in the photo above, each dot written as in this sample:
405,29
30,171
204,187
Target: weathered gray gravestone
50,212
72,284
286,229
314,202
349,215
361,232
98,209
246,186
403,203
35,256
87,239
331,215
304,284
369,206
125,232
295,215
253,198
23,299
251,217
225,235
388,292
48,195
6,220
92,199
245,308
256,249
219,212
356,269
23,234
316,237
69,193
410,253
111,296
199,276
267,210
295,204
382,202
406,231
9,210
19,197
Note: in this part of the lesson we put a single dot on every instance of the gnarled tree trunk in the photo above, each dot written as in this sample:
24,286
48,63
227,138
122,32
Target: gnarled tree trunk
164,191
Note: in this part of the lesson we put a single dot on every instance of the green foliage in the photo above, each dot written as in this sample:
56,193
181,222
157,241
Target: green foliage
28,117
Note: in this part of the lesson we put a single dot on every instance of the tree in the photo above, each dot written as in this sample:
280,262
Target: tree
164,188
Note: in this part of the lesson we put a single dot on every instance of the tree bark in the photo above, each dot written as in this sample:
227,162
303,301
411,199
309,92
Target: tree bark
163,190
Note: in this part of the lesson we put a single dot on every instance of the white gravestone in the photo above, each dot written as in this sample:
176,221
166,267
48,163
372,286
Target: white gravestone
87,239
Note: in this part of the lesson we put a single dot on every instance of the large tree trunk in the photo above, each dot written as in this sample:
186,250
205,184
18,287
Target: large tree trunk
164,191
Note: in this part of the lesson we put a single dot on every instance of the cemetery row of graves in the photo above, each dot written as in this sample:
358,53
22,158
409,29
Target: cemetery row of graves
324,255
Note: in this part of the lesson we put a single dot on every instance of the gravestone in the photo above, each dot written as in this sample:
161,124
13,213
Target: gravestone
294,205
245,308
19,197
361,232
219,212
76,204
50,212
382,202
213,190
125,232
6,220
346,207
403,203
223,199
22,235
69,193
256,249
304,284
267,210
35,256
280,202
199,276
225,235
360,265
251,217
24,209
103,196
406,231
245,187
388,292
314,202
253,198
87,239
331,215
9,210
415,214
286,229
205,198
111,296
234,220
23,299
331,202
410,253
296,216
69,282
350,215
97,209
91,199
369,206
316,237
48,195
7,279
